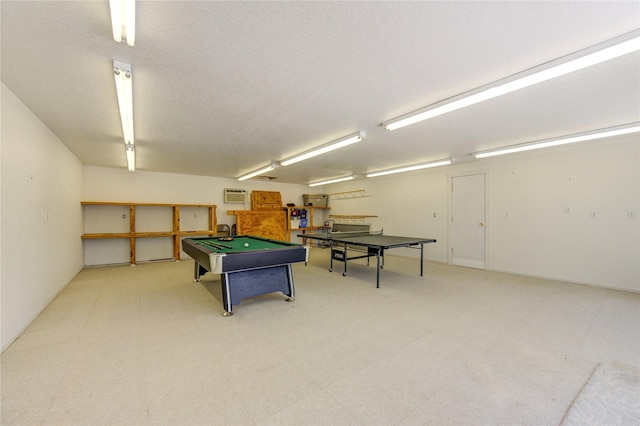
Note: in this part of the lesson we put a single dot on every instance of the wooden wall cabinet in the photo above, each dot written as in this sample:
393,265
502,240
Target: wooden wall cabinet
136,230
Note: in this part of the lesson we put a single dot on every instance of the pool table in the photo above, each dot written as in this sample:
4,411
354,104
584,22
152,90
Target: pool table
248,265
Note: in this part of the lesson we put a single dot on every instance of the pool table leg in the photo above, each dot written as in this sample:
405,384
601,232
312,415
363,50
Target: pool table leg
292,290
196,272
226,295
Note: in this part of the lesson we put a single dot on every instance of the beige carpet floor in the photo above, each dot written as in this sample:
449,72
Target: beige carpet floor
611,396
145,345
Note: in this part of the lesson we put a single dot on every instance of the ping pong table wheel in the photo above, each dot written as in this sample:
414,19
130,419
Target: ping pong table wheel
290,299
344,274
227,314
330,269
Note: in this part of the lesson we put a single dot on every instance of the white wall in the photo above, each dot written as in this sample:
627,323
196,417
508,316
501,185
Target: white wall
539,238
105,184
41,221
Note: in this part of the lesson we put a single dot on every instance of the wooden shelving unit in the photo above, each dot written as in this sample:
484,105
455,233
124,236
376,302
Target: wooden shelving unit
176,232
311,224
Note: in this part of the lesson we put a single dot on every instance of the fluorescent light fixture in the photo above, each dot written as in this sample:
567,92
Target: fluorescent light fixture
258,172
124,88
410,168
130,150
602,52
580,137
327,182
123,20
339,143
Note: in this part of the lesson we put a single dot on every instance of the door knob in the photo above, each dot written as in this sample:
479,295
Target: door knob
481,223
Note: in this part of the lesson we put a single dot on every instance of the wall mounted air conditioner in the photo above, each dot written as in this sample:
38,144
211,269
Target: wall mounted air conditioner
235,195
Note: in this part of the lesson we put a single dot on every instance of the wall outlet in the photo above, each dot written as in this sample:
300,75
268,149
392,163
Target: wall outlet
631,214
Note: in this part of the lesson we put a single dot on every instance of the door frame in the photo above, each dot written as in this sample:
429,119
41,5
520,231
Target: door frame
487,222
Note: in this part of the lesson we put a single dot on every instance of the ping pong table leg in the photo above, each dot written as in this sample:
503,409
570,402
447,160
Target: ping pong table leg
421,260
344,274
378,268
331,258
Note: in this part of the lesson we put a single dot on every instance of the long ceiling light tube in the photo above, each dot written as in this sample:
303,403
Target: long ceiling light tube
123,20
116,19
602,52
130,151
410,168
327,182
339,143
124,89
564,140
258,172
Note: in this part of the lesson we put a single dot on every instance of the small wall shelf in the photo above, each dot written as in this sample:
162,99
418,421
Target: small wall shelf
350,218
96,208
358,193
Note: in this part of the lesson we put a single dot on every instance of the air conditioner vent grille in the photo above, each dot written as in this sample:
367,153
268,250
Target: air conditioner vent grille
232,196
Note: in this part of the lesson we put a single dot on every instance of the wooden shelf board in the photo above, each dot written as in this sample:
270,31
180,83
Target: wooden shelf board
154,234
307,207
350,216
203,232
106,235
347,192
109,203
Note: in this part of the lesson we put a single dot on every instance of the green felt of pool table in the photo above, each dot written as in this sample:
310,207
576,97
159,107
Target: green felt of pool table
237,244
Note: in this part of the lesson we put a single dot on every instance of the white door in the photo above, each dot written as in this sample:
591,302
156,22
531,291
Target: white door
468,199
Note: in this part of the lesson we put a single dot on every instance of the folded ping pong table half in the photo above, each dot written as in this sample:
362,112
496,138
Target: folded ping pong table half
366,245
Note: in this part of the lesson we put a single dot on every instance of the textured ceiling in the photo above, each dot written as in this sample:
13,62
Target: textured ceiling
223,88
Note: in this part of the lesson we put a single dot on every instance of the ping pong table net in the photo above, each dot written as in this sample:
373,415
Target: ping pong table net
341,234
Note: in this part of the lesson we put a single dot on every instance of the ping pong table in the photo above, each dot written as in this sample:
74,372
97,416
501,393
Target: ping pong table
347,246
